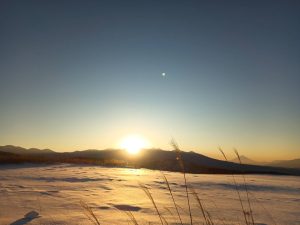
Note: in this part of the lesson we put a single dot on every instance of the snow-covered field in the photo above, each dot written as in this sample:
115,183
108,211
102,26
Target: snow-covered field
52,195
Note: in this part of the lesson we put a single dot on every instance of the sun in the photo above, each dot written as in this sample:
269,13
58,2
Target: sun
133,144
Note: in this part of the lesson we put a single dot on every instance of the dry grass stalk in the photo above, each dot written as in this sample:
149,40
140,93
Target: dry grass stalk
149,195
246,189
181,163
173,199
170,212
131,217
203,211
264,208
237,190
89,213
219,217
209,218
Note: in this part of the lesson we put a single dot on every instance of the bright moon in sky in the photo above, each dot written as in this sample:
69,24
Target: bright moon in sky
134,143
163,74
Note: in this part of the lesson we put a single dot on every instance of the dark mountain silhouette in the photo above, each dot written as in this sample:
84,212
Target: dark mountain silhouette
198,163
20,150
151,158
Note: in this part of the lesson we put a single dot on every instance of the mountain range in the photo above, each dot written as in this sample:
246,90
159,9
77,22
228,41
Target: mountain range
294,163
157,159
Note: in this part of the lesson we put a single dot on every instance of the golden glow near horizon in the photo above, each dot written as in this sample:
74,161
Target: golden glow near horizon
133,144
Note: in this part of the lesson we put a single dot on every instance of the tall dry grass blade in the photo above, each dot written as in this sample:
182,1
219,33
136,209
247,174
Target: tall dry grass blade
174,144
222,152
170,212
219,217
264,208
246,188
149,195
89,213
237,190
181,163
173,199
131,217
209,218
200,205
165,221
182,209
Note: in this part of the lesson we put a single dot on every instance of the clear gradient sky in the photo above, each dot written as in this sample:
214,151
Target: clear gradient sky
84,74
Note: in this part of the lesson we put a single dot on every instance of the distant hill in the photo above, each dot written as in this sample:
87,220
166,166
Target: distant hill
245,160
294,163
151,159
20,150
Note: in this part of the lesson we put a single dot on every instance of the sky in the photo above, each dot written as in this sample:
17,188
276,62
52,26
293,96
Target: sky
85,74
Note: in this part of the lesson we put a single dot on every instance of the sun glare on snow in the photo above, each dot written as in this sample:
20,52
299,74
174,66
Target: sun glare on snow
133,144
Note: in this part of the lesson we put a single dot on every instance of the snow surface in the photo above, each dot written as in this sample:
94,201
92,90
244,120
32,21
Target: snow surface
52,194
